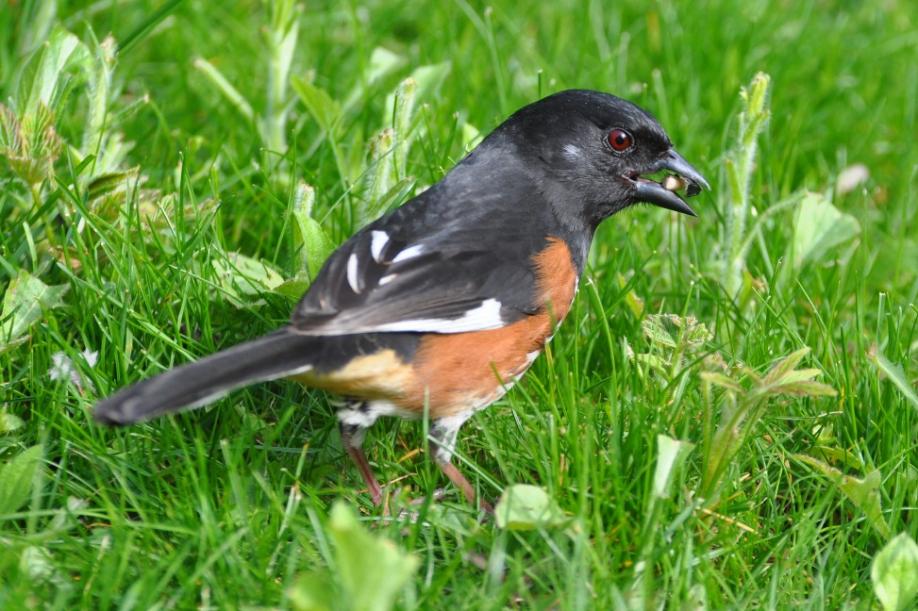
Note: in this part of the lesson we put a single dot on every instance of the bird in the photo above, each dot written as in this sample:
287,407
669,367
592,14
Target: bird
439,306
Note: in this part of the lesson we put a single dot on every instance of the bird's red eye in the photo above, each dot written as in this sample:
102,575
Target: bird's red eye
620,140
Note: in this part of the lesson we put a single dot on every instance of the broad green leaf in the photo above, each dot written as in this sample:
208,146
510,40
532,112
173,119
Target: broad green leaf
839,455
292,289
36,563
863,493
632,300
304,199
653,361
25,299
16,479
654,328
317,101
673,331
317,246
314,592
382,62
45,77
819,227
671,453
240,276
897,376
894,573
525,507
310,240
471,137
10,422
372,569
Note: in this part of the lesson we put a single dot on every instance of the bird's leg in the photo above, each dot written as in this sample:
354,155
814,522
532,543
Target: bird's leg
353,432
442,443
366,472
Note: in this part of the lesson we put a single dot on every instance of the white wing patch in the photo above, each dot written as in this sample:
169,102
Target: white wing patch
484,317
409,253
387,279
378,241
352,278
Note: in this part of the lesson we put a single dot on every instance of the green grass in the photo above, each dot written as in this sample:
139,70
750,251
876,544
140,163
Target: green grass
226,507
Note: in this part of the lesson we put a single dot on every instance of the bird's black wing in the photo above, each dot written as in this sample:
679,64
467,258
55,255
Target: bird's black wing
429,267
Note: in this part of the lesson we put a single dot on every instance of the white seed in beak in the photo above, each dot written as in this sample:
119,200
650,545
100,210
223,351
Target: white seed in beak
673,183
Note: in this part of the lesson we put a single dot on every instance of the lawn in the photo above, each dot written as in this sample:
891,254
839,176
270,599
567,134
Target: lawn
727,419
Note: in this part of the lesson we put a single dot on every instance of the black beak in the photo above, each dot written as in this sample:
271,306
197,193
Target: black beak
651,192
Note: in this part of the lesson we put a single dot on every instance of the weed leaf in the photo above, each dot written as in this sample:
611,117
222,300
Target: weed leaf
671,453
894,573
317,101
241,277
44,81
819,227
382,62
16,479
310,239
10,422
863,493
371,570
525,507
25,300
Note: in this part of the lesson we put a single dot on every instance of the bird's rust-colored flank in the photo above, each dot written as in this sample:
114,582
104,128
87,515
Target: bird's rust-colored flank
472,369
454,372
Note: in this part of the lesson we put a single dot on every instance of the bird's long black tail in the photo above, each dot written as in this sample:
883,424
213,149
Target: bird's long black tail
276,355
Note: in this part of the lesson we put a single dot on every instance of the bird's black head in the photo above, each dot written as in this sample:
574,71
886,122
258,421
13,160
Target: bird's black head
595,151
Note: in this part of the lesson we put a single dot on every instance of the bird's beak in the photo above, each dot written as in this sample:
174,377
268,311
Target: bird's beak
664,194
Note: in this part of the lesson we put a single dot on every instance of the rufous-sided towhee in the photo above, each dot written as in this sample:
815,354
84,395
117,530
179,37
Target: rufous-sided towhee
443,303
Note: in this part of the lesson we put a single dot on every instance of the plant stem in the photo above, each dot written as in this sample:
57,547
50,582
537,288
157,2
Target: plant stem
739,174
282,39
